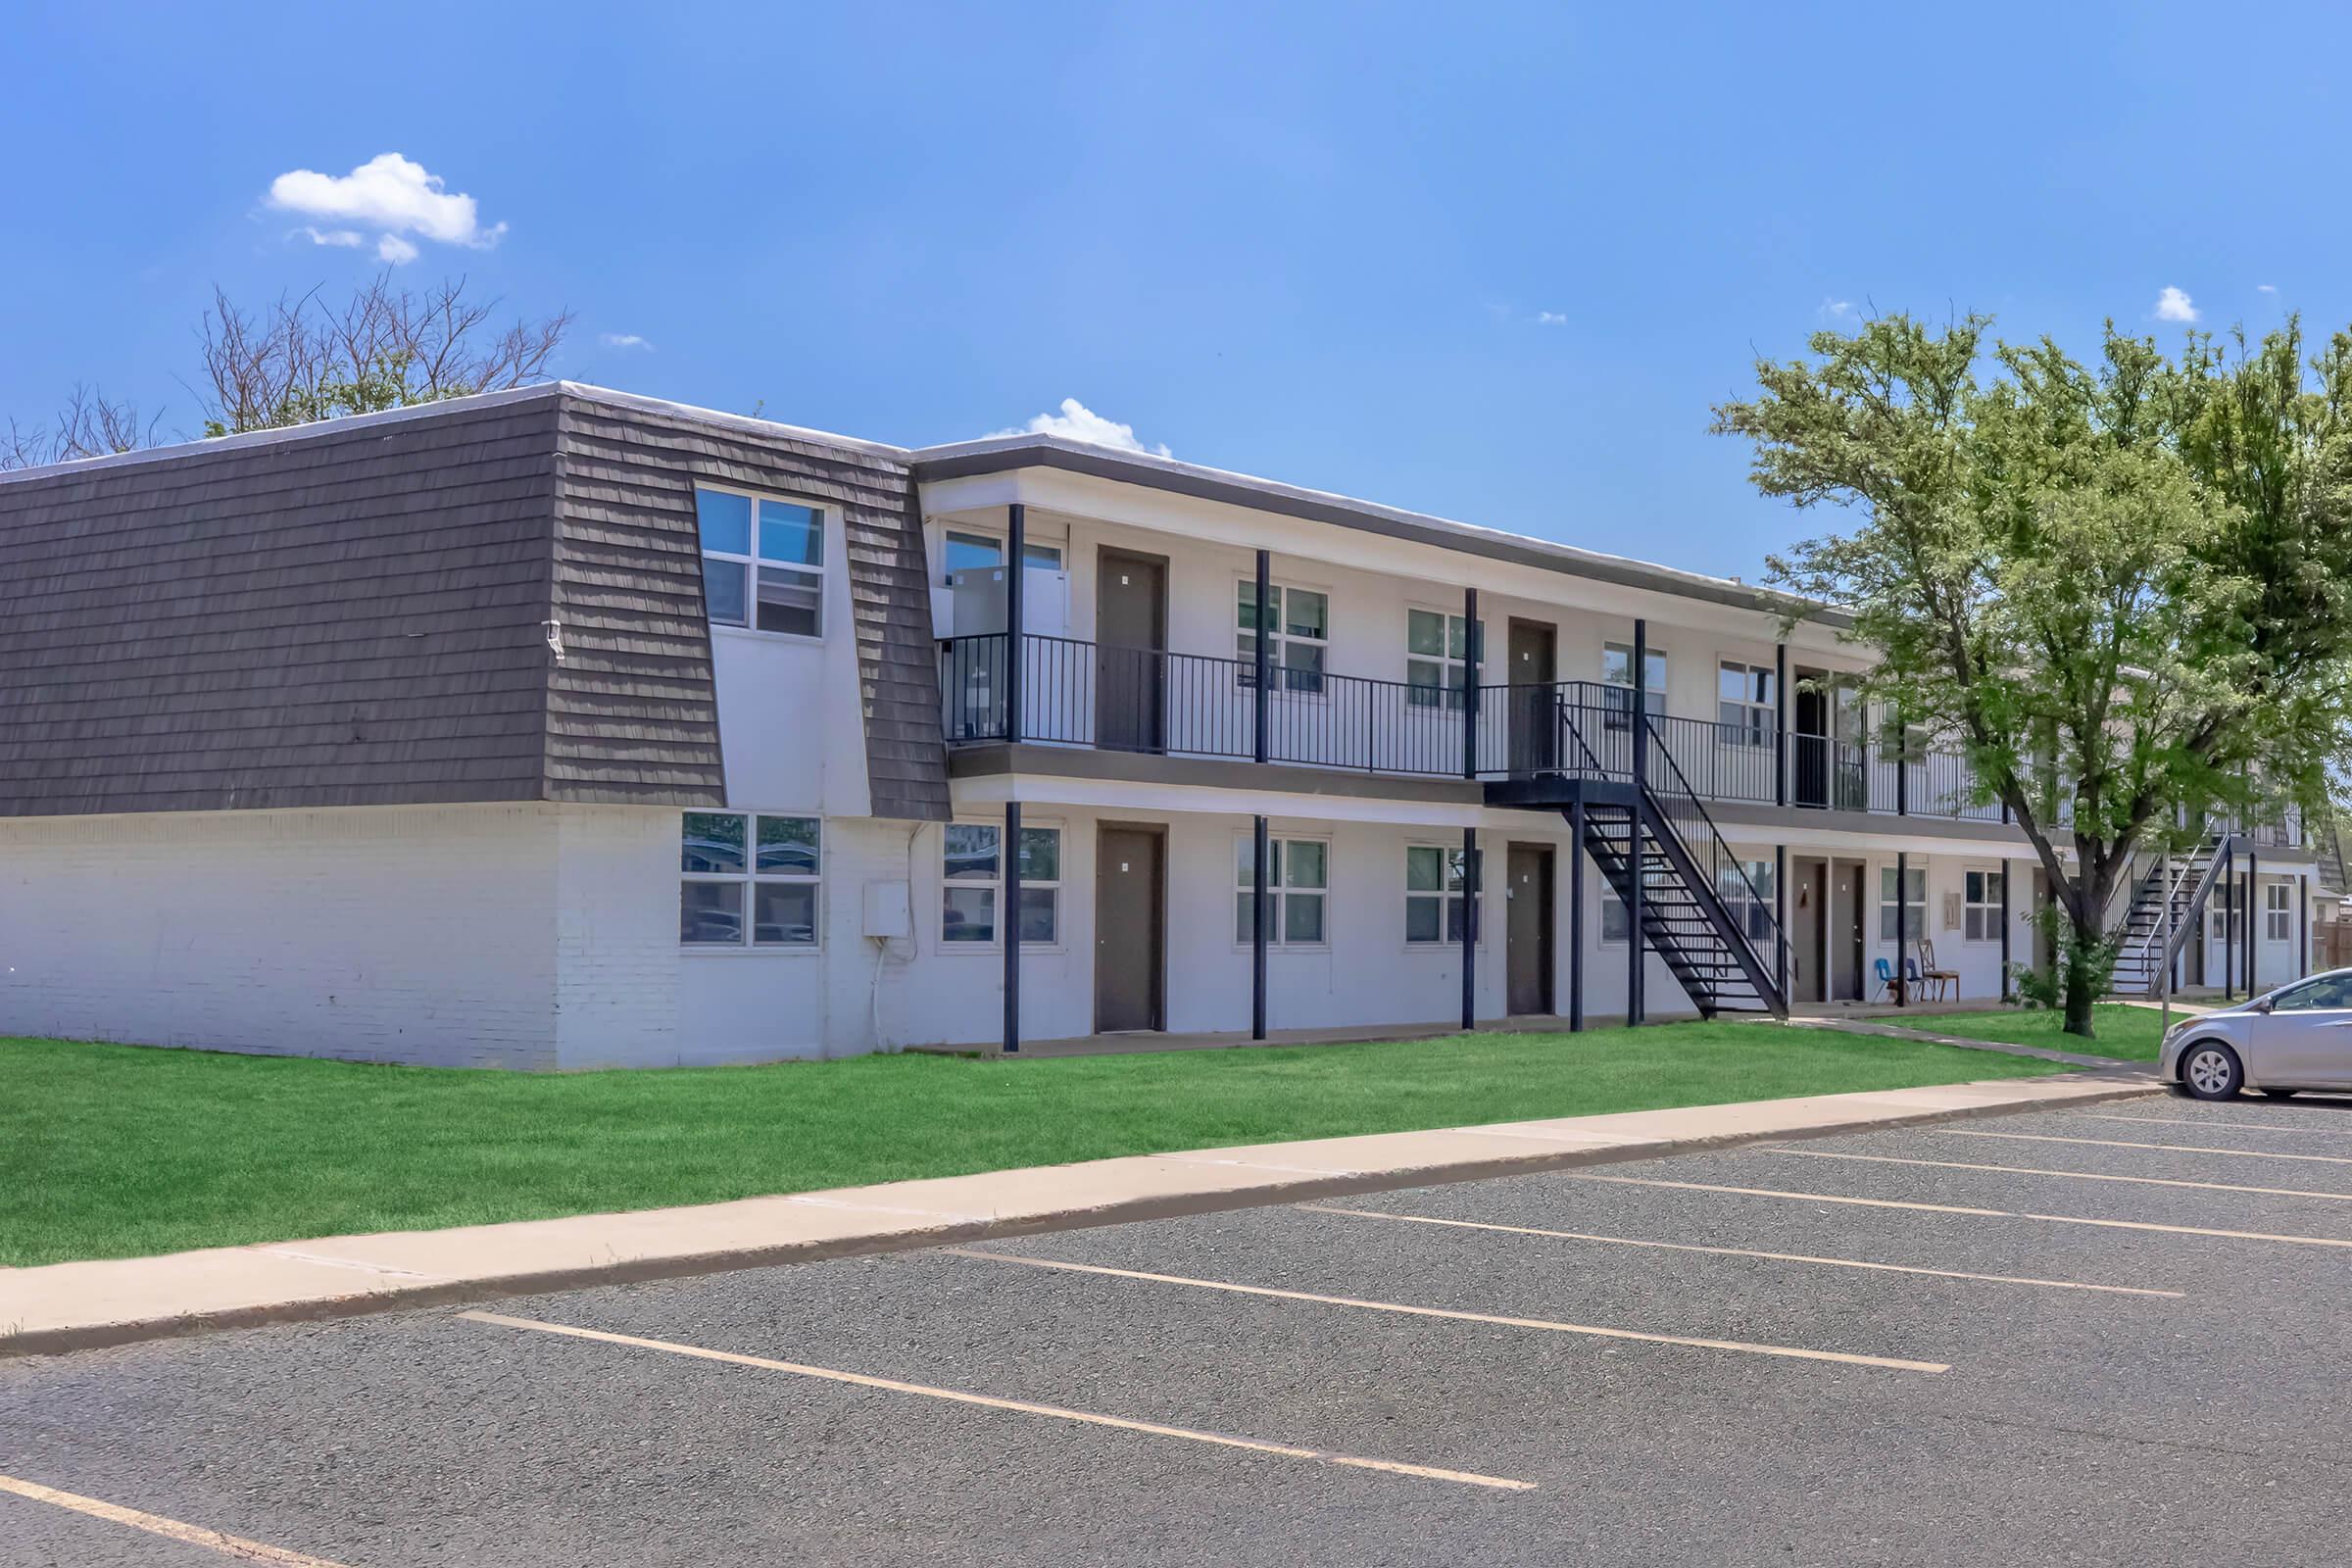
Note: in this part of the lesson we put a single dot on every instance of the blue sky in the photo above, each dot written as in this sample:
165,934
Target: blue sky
1495,266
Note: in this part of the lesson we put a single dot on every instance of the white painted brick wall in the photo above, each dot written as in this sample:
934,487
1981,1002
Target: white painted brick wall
416,934
616,937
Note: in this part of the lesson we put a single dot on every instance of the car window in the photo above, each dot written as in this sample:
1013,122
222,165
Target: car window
2329,991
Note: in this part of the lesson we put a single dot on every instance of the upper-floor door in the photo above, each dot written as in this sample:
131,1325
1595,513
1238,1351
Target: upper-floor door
1131,639
1534,665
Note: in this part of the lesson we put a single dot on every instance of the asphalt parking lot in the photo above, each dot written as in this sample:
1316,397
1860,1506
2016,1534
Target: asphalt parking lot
2111,1335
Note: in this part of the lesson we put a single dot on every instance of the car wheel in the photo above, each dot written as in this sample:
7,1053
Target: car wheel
2210,1070
2278,1093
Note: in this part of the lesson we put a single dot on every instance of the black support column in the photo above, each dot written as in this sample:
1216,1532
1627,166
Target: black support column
2229,881
1902,923
1780,921
1265,592
2005,865
1635,1009
1016,545
1469,928
1576,915
1471,651
1261,897
1008,919
2254,917
1780,729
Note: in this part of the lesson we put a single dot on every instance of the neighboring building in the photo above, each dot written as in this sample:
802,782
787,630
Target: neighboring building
565,728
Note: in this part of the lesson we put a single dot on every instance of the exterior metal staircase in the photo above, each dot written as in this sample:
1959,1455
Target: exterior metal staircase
2142,955
1702,914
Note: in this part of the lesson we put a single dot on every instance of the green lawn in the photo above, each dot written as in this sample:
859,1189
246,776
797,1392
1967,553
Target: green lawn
2127,1033
116,1150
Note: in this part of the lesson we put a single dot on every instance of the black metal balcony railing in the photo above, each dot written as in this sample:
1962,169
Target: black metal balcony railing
1111,698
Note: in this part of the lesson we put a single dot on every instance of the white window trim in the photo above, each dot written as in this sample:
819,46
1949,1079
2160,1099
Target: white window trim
2282,908
1915,929
1452,672
1990,906
1274,926
1771,710
1654,651
1001,539
1443,943
995,943
1601,917
1277,639
755,565
747,876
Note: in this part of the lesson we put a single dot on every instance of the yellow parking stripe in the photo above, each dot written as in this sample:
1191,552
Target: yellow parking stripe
1737,1252
170,1529
1954,1208
2069,1175
1742,1345
1022,1406
2168,1149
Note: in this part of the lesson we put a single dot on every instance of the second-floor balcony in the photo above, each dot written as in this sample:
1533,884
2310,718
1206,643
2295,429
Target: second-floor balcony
1141,700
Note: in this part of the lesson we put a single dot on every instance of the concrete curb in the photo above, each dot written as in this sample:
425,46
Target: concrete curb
131,1301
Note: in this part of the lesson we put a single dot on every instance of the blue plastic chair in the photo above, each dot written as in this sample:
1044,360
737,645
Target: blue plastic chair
1885,974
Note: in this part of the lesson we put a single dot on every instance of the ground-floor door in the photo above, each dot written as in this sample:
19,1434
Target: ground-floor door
1130,925
1843,933
1807,899
1529,937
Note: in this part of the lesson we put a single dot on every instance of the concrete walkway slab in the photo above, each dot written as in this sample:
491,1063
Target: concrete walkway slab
64,1307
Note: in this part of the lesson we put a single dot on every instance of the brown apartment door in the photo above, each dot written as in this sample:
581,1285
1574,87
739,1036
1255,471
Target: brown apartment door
1130,914
1534,718
1131,639
1528,934
1807,906
1843,934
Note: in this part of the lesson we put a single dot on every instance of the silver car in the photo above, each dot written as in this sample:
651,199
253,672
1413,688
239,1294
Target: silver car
2295,1038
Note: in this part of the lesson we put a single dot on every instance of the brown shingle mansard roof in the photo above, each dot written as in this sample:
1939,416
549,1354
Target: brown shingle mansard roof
353,612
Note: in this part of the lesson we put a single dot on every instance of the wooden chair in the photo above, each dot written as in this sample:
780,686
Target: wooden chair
1940,979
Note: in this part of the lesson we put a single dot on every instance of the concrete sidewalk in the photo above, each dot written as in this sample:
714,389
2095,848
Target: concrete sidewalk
63,1306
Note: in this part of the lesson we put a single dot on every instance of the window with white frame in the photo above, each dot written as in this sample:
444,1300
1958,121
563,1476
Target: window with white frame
972,882
2224,905
2278,913
1747,702
1615,922
1437,653
965,550
1298,639
764,562
1435,897
1617,674
749,879
1747,890
1913,910
1981,906
1298,878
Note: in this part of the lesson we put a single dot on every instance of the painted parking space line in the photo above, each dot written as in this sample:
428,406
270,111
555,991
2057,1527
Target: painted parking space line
171,1529
1797,1352
1055,1412
2168,1149
2069,1175
1976,1214
1739,1252
2212,1125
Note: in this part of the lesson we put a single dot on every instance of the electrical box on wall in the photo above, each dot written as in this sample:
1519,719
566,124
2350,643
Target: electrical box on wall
888,913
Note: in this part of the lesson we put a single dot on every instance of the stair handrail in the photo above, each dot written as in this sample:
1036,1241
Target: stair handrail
1721,853
2209,852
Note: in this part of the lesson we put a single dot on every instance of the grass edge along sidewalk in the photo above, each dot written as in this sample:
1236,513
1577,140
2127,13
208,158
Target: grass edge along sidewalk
2122,1031
69,1307
124,1150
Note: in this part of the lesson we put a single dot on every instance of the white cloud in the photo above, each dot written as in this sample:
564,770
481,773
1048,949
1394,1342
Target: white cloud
1836,310
2175,306
623,340
1078,423
2266,288
1550,318
390,194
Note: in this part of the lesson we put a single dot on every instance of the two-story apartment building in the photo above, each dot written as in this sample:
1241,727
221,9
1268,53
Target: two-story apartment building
563,728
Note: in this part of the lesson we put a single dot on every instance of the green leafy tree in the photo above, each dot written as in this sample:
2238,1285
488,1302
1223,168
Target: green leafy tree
2121,589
